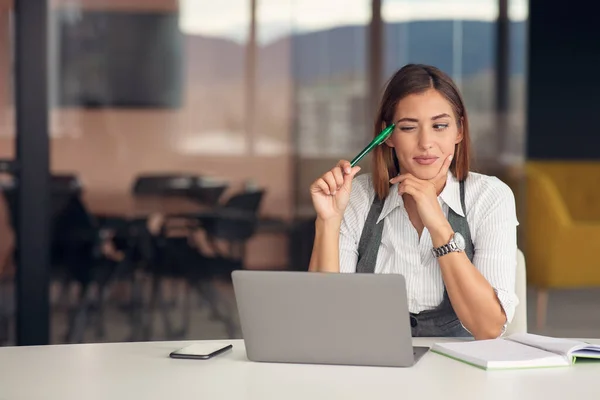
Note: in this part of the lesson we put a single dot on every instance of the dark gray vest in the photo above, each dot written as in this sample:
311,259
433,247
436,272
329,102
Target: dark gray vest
441,321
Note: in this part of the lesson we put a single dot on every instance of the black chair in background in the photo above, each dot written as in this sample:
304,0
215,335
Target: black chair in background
175,259
75,254
204,190
140,256
80,240
78,257
248,200
63,188
161,255
164,184
179,258
6,280
209,191
232,225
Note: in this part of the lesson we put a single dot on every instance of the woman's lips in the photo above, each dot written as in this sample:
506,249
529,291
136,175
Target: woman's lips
425,160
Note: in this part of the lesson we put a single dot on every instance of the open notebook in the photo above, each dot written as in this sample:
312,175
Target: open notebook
520,350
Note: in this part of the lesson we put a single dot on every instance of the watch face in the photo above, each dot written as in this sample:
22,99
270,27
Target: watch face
460,241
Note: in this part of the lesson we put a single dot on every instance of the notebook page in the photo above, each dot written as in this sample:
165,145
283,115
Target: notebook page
554,345
500,353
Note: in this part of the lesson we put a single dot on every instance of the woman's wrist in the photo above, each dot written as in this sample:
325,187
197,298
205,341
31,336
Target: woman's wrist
333,223
327,234
441,234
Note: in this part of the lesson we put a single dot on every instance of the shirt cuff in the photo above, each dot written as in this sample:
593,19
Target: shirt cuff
508,302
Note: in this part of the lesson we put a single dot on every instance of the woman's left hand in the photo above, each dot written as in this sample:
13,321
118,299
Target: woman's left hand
425,194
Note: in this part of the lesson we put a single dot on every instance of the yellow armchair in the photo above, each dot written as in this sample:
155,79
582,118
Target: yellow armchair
562,226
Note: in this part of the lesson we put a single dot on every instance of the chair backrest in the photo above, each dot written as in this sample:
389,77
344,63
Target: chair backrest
245,201
577,184
544,201
209,195
519,322
63,189
164,184
238,217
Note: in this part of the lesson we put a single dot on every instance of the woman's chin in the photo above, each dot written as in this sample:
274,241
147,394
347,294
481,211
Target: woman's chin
423,172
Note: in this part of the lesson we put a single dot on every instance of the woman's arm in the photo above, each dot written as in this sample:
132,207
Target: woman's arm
473,298
331,196
335,247
483,292
326,255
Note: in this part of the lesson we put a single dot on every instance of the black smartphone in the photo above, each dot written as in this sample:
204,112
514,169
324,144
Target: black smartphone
201,351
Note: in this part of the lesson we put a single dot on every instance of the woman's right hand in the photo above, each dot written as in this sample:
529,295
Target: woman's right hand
331,192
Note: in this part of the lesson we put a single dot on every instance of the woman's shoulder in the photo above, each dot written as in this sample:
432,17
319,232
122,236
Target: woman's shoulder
487,185
485,194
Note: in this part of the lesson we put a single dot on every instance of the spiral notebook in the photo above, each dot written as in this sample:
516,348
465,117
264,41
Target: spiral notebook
520,350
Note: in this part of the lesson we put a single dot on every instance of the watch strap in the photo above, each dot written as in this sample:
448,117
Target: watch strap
445,249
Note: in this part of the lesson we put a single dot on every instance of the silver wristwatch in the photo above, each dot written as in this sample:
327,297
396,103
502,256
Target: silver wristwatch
456,243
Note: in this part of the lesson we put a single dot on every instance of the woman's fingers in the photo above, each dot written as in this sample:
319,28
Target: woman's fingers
333,180
409,188
339,177
444,169
322,186
408,178
330,180
399,178
349,177
345,166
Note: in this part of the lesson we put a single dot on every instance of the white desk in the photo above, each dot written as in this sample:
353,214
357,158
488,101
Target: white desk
144,371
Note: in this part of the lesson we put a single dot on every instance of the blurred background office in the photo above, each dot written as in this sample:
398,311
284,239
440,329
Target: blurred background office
150,147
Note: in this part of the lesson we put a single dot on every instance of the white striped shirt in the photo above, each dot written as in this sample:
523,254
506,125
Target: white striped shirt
491,215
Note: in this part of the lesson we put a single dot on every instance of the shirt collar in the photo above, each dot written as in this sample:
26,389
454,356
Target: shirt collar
450,195
392,201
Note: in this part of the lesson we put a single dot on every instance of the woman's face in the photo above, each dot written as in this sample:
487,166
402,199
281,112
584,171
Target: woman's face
425,134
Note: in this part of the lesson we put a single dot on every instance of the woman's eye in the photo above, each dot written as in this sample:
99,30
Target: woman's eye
407,128
440,127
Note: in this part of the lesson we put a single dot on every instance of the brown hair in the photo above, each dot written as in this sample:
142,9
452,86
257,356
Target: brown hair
414,79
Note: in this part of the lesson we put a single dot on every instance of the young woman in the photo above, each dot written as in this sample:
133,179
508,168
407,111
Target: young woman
422,214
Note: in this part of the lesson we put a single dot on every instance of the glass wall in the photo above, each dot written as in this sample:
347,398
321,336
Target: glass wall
154,126
205,93
330,58
459,37
518,14
241,97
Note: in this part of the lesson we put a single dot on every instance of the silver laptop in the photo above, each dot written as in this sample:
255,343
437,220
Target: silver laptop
325,318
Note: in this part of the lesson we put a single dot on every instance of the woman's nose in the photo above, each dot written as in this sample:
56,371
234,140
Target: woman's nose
425,139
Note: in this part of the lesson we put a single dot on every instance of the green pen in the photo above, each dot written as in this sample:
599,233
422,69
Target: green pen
376,142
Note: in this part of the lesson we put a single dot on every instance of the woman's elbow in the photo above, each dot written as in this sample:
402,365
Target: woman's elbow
490,329
489,333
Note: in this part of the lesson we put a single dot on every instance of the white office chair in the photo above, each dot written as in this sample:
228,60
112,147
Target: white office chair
519,322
